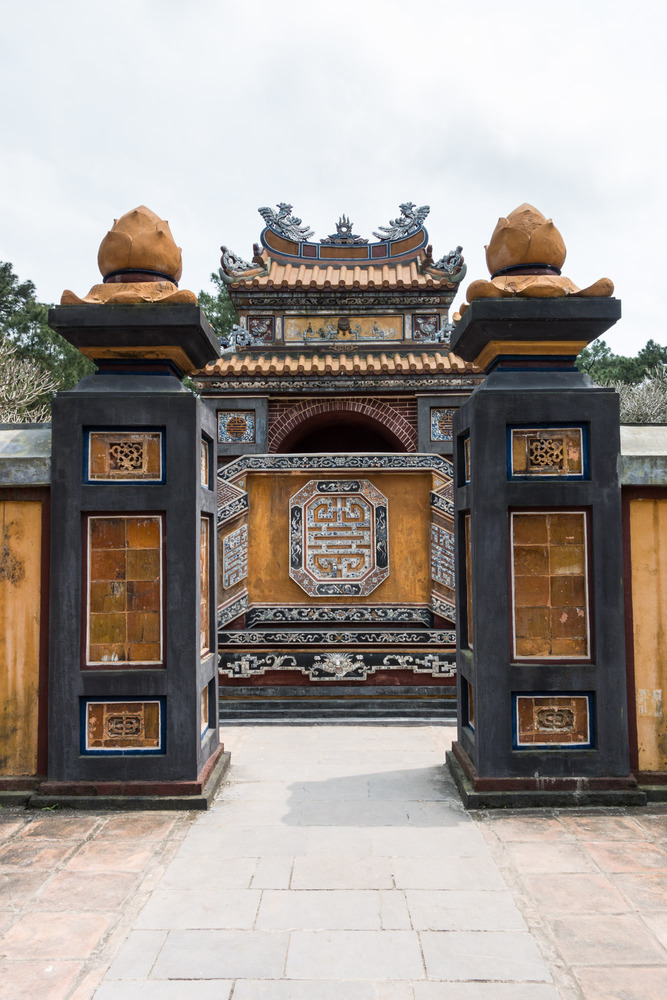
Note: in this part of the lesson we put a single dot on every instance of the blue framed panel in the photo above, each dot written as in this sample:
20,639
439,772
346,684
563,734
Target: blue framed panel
557,720
547,451
122,727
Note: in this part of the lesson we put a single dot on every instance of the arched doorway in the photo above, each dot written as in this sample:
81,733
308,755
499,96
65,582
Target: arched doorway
340,432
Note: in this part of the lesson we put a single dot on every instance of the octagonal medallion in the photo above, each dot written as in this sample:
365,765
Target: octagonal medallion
339,543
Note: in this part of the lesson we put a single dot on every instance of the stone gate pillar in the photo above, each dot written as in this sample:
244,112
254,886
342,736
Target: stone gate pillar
540,651
132,673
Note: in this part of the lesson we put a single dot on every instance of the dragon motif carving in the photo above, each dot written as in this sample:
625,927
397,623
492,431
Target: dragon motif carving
286,224
409,221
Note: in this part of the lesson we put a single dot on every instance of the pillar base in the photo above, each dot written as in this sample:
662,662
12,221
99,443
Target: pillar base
531,793
130,795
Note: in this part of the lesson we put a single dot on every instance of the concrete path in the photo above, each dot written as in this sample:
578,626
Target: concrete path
337,862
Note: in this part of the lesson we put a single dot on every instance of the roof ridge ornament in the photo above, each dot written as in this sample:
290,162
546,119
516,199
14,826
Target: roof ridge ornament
232,263
344,235
286,224
410,220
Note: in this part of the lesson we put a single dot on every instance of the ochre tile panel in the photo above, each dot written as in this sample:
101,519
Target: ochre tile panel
124,612
549,584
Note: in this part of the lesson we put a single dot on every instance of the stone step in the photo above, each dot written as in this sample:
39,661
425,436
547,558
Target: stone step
367,705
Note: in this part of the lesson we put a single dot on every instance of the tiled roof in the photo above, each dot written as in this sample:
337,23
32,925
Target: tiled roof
319,276
390,364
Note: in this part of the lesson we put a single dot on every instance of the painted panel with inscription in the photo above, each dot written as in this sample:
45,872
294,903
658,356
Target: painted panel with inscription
307,329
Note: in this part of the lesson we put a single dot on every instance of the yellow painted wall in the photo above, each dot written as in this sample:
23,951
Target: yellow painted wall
268,538
648,539
20,587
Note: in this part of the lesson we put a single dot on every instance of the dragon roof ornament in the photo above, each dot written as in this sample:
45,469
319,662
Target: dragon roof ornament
410,220
232,263
286,224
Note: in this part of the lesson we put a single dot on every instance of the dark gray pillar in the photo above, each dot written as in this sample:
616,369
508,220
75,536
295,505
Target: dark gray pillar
132,675
541,665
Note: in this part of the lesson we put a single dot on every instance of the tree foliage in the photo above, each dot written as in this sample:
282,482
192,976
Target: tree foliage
24,326
608,368
24,385
218,307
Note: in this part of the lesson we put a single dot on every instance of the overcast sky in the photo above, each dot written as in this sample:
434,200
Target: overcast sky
205,111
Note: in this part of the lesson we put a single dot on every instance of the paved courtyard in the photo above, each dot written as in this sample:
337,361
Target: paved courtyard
337,862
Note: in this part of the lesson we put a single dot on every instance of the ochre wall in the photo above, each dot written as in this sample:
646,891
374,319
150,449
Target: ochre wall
20,602
648,544
268,538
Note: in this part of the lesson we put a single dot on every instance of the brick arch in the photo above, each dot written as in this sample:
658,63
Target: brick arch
374,413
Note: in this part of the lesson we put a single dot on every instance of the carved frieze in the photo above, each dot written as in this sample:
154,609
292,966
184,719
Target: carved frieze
337,666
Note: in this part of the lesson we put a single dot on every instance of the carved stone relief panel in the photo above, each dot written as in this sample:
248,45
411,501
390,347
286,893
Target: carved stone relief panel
339,543
133,456
123,727
549,720
550,451
235,556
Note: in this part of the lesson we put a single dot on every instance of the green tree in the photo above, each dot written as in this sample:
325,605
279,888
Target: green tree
24,323
608,368
218,307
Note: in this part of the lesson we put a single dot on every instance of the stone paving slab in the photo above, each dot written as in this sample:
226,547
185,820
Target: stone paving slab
335,862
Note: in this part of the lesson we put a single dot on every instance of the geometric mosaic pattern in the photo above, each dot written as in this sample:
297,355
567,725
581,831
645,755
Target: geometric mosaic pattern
549,585
339,538
235,557
236,426
441,424
442,555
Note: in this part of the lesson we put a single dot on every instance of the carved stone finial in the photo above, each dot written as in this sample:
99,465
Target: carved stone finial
409,221
286,224
524,256
139,261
